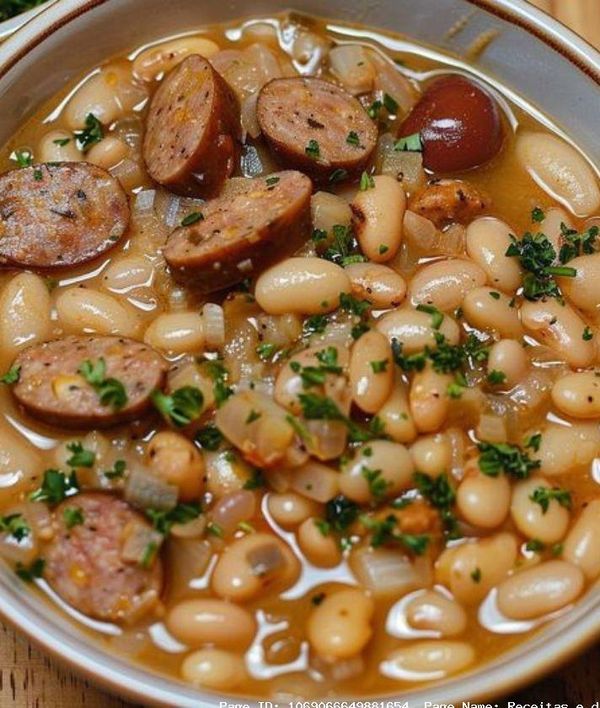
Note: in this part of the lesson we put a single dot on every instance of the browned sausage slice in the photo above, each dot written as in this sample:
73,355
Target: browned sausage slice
449,201
192,130
315,126
52,389
85,563
59,214
240,233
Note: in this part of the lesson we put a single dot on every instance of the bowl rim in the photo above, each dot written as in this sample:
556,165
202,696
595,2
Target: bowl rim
134,681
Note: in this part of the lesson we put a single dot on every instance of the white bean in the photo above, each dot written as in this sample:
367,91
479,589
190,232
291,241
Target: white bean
560,170
380,469
431,659
177,461
207,621
371,371
58,146
306,286
432,454
429,400
376,283
567,448
395,415
578,395
435,612
581,547
290,510
560,328
214,668
529,517
87,310
487,241
471,569
24,313
108,152
329,210
161,58
414,330
176,332
319,547
378,215
491,311
509,358
539,590
584,289
444,284
340,627
482,500
126,273
551,226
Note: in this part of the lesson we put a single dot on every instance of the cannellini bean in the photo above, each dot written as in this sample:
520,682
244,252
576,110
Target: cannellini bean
307,286
176,332
24,313
108,152
316,481
378,215
583,290
539,590
253,565
379,469
435,612
560,170
340,627
214,668
206,621
431,659
491,311
432,454
58,146
529,517
371,371
566,448
482,500
329,210
174,459
444,284
163,57
376,283
89,310
395,415
560,328
414,330
487,241
581,547
508,357
126,273
551,226
578,395
290,510
225,473
471,569
429,400
321,549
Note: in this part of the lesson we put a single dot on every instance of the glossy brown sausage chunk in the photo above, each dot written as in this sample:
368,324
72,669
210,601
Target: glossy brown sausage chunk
52,389
57,215
251,226
192,130
315,126
459,123
85,564
450,201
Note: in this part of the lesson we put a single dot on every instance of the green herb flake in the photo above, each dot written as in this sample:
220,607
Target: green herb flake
537,215
410,143
220,376
533,442
476,575
253,416
313,150
256,481
390,104
61,142
272,181
366,182
111,392
55,487
15,525
341,513
192,218
11,376
91,134
496,377
379,367
117,471
209,438
544,495
29,573
374,108
72,516
378,485
338,175
215,530
494,295
534,545
495,458
181,407
587,334
163,521
23,158
323,526
149,554
353,139
38,175
437,317
80,457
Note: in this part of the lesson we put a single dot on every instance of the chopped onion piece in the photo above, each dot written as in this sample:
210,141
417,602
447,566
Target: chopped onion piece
144,202
316,481
213,320
249,119
149,492
389,573
351,65
138,538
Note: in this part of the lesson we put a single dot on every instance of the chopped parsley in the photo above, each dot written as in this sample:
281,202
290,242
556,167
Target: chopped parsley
80,456
537,215
149,554
11,376
256,481
437,317
163,521
61,142
313,150
367,181
253,416
209,437
220,376
353,139
439,493
351,304
315,324
534,545
338,175
117,471
342,246
192,218
534,442
494,295
29,573
476,575
215,530
266,351
181,407
410,143
544,495
323,526
72,516
495,458
56,487
91,134
587,334
271,181
496,377
374,108
15,525
385,531
378,485
390,104
577,244
379,367
23,158
341,513
111,392
316,375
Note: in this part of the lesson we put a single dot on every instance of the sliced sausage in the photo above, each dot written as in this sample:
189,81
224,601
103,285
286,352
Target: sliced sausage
315,126
59,214
85,563
450,201
192,130
51,388
263,220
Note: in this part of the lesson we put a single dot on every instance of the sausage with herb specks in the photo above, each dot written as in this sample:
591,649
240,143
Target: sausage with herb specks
51,388
315,126
237,235
87,563
58,215
193,130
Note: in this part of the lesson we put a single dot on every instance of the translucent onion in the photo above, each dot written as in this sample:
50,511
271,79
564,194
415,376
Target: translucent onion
388,79
351,65
309,50
138,538
186,561
148,492
213,320
144,202
492,428
389,573
316,481
248,114
406,167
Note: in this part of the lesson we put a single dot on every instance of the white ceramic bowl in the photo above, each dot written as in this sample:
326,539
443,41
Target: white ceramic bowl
531,54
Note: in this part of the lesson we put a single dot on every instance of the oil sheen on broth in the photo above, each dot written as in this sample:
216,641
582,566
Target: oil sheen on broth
361,466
